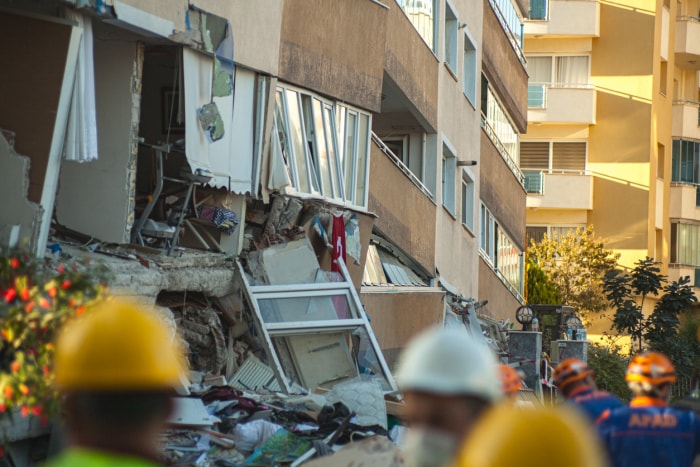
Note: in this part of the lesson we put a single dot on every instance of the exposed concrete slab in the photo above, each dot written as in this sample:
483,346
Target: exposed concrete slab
16,209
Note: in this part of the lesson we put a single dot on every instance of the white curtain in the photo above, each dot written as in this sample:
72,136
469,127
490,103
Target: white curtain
572,71
81,132
540,70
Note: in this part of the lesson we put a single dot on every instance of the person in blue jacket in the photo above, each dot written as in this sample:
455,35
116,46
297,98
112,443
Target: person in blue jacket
648,432
575,381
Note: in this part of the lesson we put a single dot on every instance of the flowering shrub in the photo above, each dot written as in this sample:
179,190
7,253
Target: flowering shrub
36,299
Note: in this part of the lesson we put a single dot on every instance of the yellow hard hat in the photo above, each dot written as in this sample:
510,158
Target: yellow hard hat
509,436
117,345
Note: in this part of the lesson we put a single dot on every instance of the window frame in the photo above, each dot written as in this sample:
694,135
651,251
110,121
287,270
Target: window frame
450,48
550,158
469,60
323,127
553,71
468,198
449,177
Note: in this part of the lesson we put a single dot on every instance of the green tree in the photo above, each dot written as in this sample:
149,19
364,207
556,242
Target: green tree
628,292
540,289
575,264
609,365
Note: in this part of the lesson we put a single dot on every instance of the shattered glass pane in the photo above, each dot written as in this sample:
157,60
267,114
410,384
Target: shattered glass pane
285,310
366,358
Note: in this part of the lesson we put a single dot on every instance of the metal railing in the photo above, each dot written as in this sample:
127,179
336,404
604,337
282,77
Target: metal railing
534,182
502,150
403,167
510,22
691,18
697,189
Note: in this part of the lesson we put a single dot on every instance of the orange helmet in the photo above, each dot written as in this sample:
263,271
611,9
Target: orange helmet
510,379
569,371
652,367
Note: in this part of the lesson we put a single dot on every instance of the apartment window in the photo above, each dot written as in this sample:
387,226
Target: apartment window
422,14
499,250
470,70
564,71
685,244
538,9
399,146
558,156
660,160
324,145
685,161
468,200
500,125
663,77
449,168
536,233
451,37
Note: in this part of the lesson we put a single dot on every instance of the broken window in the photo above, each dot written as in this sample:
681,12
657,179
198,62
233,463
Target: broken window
310,321
324,145
387,265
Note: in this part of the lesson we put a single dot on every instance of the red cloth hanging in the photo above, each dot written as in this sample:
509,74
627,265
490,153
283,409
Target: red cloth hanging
338,239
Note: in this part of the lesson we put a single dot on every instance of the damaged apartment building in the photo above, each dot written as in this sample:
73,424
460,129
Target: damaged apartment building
302,185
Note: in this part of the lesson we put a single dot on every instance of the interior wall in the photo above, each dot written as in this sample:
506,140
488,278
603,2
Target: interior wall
95,197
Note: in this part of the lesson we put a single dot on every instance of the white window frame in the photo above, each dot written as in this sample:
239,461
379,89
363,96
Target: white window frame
332,127
451,31
468,199
449,177
470,72
553,70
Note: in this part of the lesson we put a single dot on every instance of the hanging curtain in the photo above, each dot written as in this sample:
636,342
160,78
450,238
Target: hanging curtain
572,71
81,133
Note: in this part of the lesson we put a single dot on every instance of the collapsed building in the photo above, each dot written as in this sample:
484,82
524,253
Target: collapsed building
298,208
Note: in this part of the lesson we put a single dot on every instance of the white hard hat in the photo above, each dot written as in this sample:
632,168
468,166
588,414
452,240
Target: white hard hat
449,362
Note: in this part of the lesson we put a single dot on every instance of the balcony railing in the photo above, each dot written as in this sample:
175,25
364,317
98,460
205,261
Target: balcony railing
537,96
534,182
511,24
689,103
403,167
502,150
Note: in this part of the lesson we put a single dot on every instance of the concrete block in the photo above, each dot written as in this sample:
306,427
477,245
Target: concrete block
563,349
525,347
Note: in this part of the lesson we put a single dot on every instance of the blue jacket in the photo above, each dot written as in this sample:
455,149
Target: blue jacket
594,402
648,433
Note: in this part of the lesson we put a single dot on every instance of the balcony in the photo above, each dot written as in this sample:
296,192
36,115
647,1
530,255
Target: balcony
688,42
686,119
559,190
563,18
551,104
676,271
685,201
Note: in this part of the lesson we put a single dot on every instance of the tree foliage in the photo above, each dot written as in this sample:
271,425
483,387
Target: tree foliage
574,264
609,365
628,292
540,289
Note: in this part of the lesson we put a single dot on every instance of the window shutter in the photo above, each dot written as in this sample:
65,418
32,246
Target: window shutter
534,155
569,156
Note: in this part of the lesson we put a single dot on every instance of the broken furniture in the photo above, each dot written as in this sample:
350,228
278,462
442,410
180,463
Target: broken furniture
167,231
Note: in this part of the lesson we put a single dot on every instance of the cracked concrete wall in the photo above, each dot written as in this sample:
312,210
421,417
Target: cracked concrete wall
97,198
15,208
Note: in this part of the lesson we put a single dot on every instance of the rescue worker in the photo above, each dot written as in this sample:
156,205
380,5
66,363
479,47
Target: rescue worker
575,381
449,381
648,432
510,381
115,367
555,437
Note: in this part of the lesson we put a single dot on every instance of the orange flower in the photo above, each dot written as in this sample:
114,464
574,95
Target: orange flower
45,370
14,263
52,292
5,335
23,389
37,410
44,303
71,302
65,284
10,295
8,392
24,294
14,366
80,310
24,411
3,407
60,268
29,307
